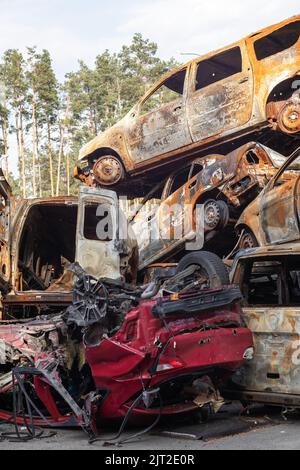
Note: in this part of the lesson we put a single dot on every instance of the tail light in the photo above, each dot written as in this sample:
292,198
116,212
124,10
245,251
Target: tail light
169,364
249,354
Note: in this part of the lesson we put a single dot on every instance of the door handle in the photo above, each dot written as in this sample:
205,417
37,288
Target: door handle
244,80
179,108
192,185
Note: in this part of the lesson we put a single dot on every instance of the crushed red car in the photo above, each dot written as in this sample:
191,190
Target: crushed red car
165,355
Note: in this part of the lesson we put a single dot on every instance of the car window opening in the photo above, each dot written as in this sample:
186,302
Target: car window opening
278,41
47,246
179,180
98,225
272,283
171,90
219,67
196,168
252,158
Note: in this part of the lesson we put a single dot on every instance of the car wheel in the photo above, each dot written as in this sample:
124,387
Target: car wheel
248,240
216,215
108,170
208,266
289,118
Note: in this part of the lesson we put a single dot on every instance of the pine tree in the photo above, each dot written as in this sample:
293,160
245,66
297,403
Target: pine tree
47,94
14,79
34,82
60,118
4,125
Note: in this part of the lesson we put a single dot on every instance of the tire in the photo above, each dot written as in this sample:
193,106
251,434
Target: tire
213,266
216,215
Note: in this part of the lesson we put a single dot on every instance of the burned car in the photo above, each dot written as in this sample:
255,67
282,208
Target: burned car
273,217
269,281
167,355
44,236
81,343
221,97
223,185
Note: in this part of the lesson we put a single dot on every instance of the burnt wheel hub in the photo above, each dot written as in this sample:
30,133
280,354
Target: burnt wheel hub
247,241
289,120
108,170
212,215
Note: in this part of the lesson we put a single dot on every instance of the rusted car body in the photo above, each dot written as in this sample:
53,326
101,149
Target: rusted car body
224,185
274,216
269,280
221,97
79,342
44,236
166,357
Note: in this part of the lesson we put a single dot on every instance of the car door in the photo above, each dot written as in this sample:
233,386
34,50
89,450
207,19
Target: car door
145,225
5,217
159,123
174,220
280,205
98,233
221,97
166,226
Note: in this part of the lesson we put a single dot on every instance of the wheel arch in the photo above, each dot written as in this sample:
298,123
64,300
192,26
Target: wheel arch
242,227
283,90
101,152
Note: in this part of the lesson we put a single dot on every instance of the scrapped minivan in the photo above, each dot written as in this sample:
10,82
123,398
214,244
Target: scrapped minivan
269,278
221,97
41,238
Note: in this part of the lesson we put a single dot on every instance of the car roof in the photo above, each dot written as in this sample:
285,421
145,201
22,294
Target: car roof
53,200
263,31
272,250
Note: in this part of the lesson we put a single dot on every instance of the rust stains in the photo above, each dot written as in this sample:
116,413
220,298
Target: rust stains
223,96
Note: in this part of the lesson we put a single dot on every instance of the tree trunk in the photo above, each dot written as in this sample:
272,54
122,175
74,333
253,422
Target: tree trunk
17,125
119,100
5,144
40,178
93,121
22,150
60,154
35,148
50,156
68,173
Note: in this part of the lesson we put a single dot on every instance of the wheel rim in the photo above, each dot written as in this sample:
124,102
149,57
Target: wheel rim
108,171
90,302
247,241
212,215
289,120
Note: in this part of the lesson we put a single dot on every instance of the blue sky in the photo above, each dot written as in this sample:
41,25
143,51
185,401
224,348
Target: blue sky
81,29
73,29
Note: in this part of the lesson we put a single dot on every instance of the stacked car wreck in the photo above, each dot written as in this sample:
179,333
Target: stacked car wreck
116,326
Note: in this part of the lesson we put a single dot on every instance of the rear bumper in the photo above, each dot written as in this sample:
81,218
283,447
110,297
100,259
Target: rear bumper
211,299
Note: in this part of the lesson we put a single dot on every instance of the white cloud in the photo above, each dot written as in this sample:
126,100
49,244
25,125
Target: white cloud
200,26
73,29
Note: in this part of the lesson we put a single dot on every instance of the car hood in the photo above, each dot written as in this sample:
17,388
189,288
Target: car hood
92,146
109,139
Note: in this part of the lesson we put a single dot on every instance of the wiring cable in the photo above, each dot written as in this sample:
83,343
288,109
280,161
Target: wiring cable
21,398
